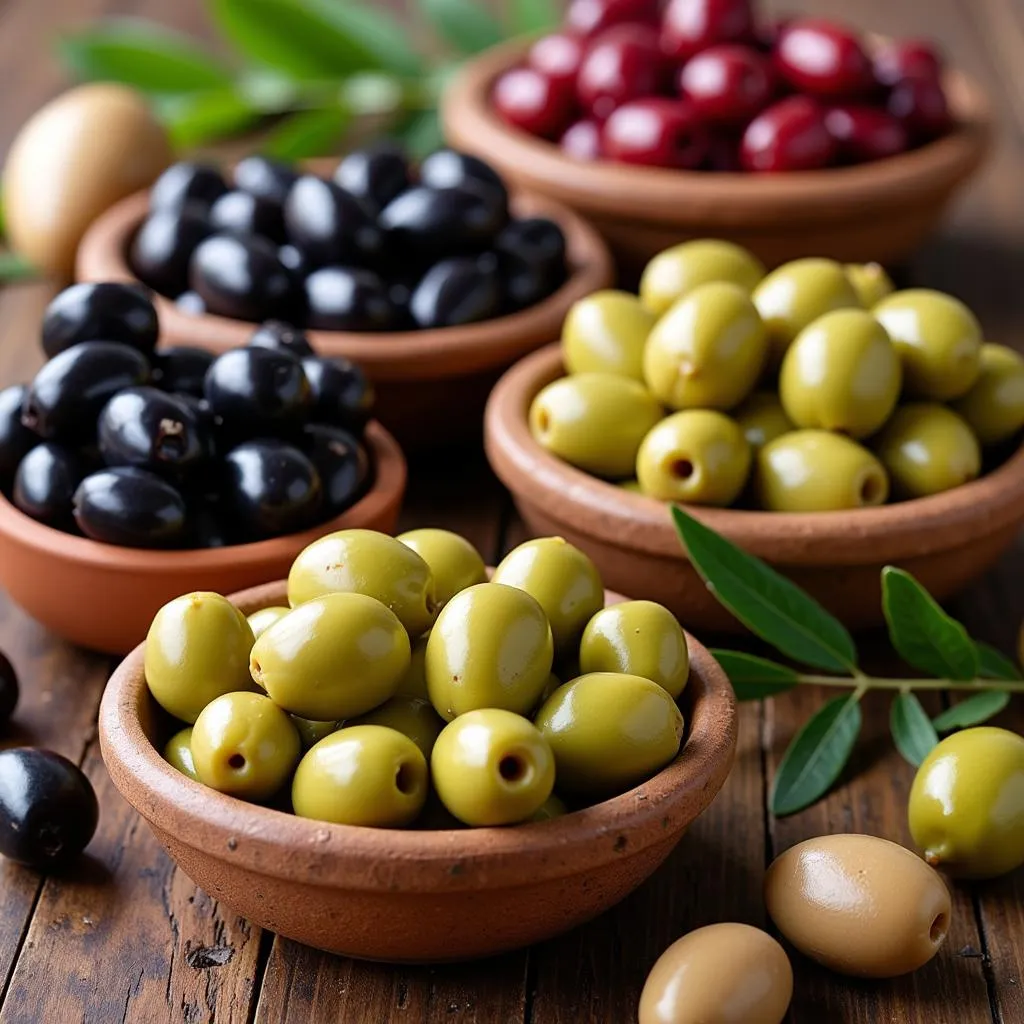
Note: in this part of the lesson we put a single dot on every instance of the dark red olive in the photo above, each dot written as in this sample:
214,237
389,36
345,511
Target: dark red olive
534,102
163,246
374,175
727,84
329,224
558,56
788,136
622,64
823,58
277,334
101,311
45,483
448,168
191,304
865,133
895,60
582,140
689,26
131,507
342,396
920,105
586,18
457,291
181,369
655,132
48,808
246,214
767,32
349,299
9,691
342,463
16,440
186,183
531,261
264,178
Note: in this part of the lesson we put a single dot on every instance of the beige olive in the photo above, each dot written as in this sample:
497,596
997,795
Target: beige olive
708,350
994,407
410,716
841,373
858,905
454,563
75,157
261,621
762,419
870,282
720,974
677,271
606,333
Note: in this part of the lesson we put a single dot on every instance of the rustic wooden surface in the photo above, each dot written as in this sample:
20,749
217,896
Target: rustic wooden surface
126,937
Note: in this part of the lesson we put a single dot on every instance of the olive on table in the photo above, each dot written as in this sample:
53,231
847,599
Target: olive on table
342,463
178,753
312,732
341,393
330,225
448,168
16,440
131,507
162,249
276,334
261,621
994,406
245,214
454,563
349,299
606,332
186,183
432,223
870,282
375,175
265,178
411,716
9,690
100,311
457,291
762,419
45,484
181,370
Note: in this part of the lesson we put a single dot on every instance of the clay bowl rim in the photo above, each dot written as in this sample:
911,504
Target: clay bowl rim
855,537
276,843
384,355
651,193
389,479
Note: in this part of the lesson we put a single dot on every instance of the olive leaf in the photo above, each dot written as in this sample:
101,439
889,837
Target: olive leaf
529,17
975,710
15,268
912,730
421,134
463,24
755,678
308,133
193,119
993,664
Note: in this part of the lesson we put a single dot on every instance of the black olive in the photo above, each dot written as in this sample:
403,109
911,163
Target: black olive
348,299
342,463
294,259
16,440
271,489
375,175
457,291
191,303
48,808
9,690
342,396
67,394
264,178
163,246
329,224
45,484
187,183
242,278
246,214
531,261
277,334
209,525
104,311
447,168
130,507
181,369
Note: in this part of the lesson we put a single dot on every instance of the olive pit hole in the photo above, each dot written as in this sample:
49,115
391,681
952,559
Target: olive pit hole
681,469
405,778
871,489
236,761
512,768
543,421
940,925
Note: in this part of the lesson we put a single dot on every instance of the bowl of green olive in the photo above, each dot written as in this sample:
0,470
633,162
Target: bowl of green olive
814,415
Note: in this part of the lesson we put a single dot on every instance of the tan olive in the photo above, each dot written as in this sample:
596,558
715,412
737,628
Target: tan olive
606,333
858,905
720,974
261,621
870,282
410,716
762,419
994,407
677,271
454,563
75,157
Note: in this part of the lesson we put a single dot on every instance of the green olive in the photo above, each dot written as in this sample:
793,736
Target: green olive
261,621
563,580
553,807
870,282
454,563
410,716
178,753
414,680
594,421
369,563
708,350
817,471
605,333
362,775
490,648
435,817
698,456
928,448
492,767
633,486
994,407
938,340
841,373
762,419
639,638
676,272
311,731
245,745
197,648
609,732
333,657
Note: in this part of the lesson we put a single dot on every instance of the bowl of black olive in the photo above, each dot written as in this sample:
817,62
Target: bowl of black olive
130,474
432,277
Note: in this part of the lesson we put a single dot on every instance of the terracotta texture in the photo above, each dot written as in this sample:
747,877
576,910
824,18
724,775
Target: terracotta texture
385,894
103,597
879,211
431,385
946,540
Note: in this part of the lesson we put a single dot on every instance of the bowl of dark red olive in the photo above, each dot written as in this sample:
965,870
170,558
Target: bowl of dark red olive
129,474
432,278
661,122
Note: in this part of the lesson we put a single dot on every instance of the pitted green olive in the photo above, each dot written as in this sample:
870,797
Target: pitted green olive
677,271
606,333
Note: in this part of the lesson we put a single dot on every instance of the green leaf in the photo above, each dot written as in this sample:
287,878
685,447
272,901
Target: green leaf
143,55
816,756
306,134
768,604
15,268
530,17
925,636
912,730
978,708
197,118
993,664
421,134
754,678
463,24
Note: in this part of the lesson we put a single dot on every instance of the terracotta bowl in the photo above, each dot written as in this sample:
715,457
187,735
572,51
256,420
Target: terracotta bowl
384,894
946,540
431,385
103,597
878,211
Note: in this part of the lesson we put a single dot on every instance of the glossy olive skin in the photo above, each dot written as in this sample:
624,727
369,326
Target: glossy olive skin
375,175
334,657
329,224
45,484
470,662
162,248
454,563
638,638
341,393
447,168
927,448
563,581
181,370
606,332
278,335
432,223
245,214
817,471
938,340
698,456
342,463
69,391
414,680
594,421
312,732
457,291
100,311
762,419
48,808
245,745
411,716
492,767
349,299
197,648
264,178
893,916
261,621
726,973
191,303
609,732
184,183
132,508
993,408
841,373
675,272
370,563
870,282
178,753
16,440
9,689
531,260
966,809
362,775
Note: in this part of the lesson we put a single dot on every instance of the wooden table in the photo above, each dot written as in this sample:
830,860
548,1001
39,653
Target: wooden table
126,937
